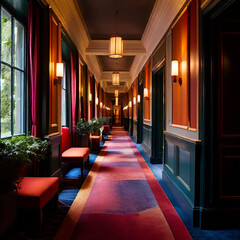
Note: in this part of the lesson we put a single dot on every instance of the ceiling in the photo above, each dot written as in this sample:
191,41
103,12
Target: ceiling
100,20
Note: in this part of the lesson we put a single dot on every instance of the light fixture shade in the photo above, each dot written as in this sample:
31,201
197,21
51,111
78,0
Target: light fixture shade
59,70
145,93
174,71
90,97
139,98
130,103
116,93
100,104
115,78
96,101
134,100
115,46
116,102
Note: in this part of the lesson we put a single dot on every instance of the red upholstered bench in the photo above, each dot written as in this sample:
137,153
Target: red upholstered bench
95,141
35,192
107,128
73,154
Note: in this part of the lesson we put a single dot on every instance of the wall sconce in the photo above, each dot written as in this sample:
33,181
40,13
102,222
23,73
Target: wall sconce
139,98
100,104
90,97
59,70
134,100
96,101
174,72
130,103
104,106
145,92
116,101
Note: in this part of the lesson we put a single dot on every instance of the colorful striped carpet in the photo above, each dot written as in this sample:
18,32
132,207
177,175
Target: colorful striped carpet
121,199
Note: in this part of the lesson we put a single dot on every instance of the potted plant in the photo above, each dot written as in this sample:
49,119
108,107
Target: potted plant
83,129
16,154
96,125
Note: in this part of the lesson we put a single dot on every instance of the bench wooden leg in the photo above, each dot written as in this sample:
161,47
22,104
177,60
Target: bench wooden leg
82,167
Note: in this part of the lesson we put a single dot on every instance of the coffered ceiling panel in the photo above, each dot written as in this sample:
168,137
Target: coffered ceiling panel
111,64
99,16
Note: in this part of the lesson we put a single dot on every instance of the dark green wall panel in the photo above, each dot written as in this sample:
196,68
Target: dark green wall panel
184,170
182,166
147,139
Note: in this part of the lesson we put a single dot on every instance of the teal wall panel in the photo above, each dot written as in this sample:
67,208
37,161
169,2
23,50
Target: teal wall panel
135,130
169,161
184,170
147,139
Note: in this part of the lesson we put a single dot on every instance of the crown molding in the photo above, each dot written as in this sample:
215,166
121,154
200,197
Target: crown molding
71,18
161,18
101,47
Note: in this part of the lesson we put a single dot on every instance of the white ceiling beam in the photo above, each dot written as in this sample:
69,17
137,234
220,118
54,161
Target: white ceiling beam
101,47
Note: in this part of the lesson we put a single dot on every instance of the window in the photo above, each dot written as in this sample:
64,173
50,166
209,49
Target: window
12,76
64,96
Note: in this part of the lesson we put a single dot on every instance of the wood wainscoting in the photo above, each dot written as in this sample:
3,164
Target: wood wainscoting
182,167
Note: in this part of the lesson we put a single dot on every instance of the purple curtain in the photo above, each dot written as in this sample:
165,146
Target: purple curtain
33,70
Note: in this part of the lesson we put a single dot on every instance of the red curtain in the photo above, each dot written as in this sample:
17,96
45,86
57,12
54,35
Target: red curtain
73,92
33,73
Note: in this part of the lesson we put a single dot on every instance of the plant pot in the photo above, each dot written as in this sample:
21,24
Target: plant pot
84,140
96,133
8,209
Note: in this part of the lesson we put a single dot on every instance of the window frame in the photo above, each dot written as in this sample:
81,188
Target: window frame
24,85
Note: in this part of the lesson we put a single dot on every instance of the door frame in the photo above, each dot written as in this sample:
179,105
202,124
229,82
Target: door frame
158,89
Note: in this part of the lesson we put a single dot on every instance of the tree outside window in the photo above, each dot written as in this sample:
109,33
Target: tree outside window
12,75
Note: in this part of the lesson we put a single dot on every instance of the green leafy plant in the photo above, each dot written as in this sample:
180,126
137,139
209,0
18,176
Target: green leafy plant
16,153
83,127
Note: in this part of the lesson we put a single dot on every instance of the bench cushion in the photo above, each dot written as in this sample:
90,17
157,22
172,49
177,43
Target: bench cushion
66,139
96,139
35,192
75,154
107,127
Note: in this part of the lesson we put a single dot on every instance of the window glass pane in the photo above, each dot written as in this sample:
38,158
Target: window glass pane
18,103
5,101
18,45
64,76
64,117
6,36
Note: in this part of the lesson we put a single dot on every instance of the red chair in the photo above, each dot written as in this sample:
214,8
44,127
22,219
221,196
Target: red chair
73,154
35,193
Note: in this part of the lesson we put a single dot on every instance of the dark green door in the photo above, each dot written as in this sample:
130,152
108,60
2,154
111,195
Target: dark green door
157,116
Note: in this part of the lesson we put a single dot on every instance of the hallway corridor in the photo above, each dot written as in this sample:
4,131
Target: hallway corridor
121,199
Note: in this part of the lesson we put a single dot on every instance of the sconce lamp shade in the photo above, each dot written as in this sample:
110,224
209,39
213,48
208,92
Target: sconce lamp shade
59,70
130,103
174,68
139,98
115,78
96,101
100,104
90,97
116,102
115,46
134,100
145,93
116,93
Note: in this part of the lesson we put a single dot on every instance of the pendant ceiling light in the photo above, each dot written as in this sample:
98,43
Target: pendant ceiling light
115,78
116,93
115,43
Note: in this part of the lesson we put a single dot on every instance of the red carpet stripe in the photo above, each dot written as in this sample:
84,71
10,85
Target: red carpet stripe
122,200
